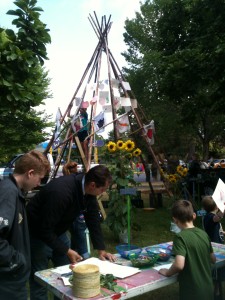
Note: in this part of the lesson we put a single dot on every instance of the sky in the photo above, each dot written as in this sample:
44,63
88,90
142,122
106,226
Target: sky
74,40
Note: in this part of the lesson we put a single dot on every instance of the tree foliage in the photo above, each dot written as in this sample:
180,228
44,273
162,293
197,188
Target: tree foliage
176,52
23,80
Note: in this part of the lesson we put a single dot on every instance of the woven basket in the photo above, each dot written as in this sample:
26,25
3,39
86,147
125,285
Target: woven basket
86,281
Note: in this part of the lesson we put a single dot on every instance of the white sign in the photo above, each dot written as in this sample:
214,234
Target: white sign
219,195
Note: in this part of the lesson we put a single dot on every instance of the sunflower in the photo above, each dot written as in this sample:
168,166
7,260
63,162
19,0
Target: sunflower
172,178
180,170
120,145
111,146
137,152
129,145
185,171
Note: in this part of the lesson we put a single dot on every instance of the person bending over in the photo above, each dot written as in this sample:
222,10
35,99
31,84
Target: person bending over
51,213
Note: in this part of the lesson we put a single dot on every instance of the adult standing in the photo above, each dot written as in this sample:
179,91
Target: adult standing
14,237
78,229
51,213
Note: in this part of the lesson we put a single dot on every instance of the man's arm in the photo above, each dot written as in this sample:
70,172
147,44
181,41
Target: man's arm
176,267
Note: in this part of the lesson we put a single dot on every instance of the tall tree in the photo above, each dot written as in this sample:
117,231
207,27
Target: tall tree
23,79
178,47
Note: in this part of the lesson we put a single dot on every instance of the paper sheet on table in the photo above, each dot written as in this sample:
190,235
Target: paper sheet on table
167,266
105,267
219,195
62,270
66,281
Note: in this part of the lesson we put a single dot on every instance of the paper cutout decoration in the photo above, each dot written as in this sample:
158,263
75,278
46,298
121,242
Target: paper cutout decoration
104,95
116,92
219,195
99,122
122,124
107,108
126,85
99,143
94,100
125,101
75,123
102,101
106,81
133,103
115,83
101,86
85,104
116,103
127,108
78,101
91,86
150,131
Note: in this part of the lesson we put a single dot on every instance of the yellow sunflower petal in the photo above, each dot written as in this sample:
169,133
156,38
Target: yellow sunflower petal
129,145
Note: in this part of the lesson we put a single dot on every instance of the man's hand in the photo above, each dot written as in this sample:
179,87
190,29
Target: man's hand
103,255
74,257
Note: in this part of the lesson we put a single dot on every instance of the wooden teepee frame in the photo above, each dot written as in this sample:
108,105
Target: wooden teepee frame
93,70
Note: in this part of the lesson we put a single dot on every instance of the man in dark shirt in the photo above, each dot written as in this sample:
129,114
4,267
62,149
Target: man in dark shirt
51,213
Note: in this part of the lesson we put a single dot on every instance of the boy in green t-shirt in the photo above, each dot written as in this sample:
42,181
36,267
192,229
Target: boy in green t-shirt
193,255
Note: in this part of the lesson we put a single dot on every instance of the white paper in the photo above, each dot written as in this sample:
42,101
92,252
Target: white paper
104,95
91,86
62,270
126,85
219,195
133,103
105,267
107,108
125,101
166,266
116,92
78,101
66,281
116,103
115,83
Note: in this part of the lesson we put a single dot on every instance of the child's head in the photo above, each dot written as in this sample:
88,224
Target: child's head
208,204
183,211
70,168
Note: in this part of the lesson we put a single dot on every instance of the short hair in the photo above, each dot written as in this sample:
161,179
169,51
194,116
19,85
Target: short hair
98,174
183,211
35,160
70,168
208,203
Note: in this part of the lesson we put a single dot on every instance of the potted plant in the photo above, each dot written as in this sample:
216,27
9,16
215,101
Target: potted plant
119,156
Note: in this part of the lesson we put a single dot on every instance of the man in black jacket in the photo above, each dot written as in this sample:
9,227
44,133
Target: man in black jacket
51,213
14,237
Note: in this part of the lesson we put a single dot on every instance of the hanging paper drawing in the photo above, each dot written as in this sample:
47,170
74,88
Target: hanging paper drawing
99,122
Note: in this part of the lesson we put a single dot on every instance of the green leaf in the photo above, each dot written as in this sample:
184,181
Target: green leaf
12,12
6,83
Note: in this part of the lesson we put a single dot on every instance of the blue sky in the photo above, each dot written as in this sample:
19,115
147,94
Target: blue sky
74,40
